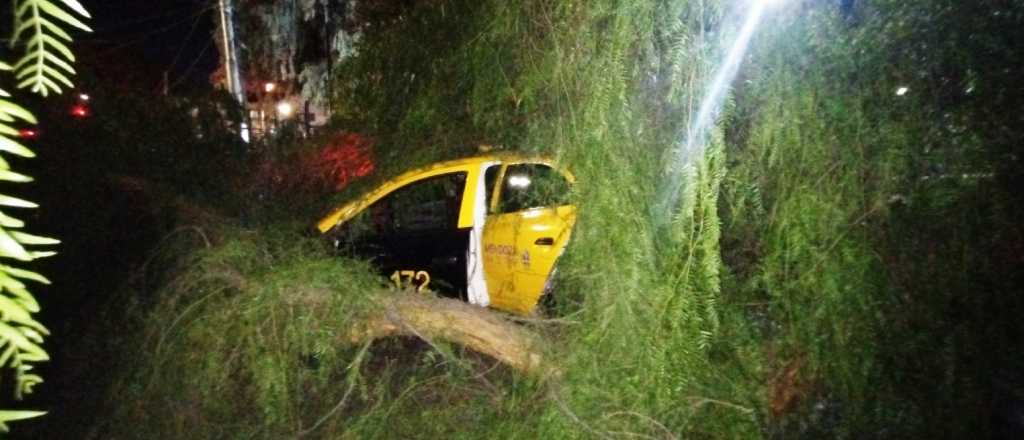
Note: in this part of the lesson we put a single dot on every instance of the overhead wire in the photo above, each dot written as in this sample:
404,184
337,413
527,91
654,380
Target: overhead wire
188,70
158,31
122,24
195,25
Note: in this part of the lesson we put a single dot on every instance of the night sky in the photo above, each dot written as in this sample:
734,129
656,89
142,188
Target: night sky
154,36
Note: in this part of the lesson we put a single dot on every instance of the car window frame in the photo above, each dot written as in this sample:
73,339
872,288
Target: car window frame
492,202
492,209
451,223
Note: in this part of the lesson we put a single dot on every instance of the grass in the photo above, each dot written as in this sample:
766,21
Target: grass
251,323
248,337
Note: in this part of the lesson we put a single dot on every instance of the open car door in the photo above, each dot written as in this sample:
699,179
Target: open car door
413,234
526,229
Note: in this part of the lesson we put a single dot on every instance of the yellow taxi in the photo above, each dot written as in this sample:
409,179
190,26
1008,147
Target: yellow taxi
485,229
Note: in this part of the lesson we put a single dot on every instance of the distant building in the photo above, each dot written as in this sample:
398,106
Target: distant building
288,49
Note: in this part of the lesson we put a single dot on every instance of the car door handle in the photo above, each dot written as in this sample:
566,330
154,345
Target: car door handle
544,241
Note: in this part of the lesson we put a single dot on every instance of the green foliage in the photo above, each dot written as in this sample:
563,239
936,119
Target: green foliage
185,142
38,25
840,264
606,88
247,338
21,335
820,149
834,208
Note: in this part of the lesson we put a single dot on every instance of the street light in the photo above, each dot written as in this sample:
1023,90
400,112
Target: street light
284,109
269,87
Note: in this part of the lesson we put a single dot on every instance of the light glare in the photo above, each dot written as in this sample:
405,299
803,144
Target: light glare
518,181
284,109
902,91
691,148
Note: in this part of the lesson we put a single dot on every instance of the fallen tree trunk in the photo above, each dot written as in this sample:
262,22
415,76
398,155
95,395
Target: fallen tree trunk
427,318
430,318
477,328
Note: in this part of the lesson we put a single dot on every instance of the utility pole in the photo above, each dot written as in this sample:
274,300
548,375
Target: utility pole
329,30
231,69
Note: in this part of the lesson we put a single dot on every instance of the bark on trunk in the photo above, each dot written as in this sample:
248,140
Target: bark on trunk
477,328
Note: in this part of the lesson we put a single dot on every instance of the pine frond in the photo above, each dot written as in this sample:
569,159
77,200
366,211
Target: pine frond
13,416
21,336
46,65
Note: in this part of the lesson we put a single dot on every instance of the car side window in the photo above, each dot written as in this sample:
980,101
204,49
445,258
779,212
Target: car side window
430,204
528,186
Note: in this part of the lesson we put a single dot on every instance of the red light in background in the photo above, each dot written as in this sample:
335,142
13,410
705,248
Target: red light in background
80,111
28,133
346,158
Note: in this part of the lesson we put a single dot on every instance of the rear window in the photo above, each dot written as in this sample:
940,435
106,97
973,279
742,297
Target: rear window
431,204
424,205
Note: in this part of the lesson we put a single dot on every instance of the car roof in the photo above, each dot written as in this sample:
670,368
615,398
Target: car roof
353,207
499,157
